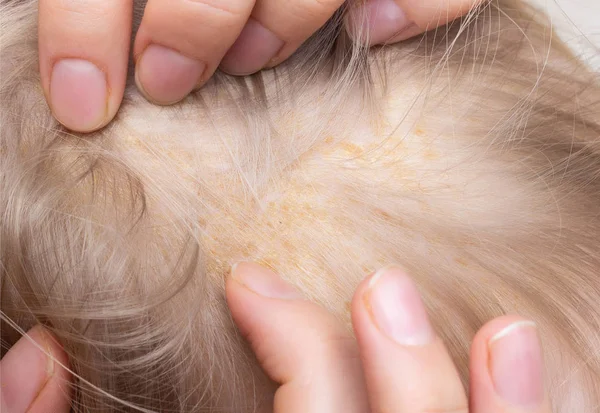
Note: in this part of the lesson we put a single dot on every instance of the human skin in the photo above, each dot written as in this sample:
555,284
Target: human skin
32,375
396,362
84,46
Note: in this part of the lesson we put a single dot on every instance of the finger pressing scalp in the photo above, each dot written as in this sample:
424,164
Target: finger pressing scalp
299,344
389,21
180,43
84,44
275,31
507,373
407,367
83,73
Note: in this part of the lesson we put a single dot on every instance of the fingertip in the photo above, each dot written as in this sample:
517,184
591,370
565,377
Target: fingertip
493,327
377,22
361,319
479,360
256,48
84,81
165,76
79,96
390,291
263,281
232,285
55,396
33,378
253,292
298,344
395,335
507,368
388,314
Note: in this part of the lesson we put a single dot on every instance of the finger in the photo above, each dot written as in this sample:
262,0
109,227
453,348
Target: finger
181,42
298,344
83,48
390,21
33,381
407,367
507,368
275,30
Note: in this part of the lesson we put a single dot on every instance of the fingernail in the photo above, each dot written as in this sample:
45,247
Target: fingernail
516,364
379,21
25,371
78,95
255,47
396,307
263,281
165,76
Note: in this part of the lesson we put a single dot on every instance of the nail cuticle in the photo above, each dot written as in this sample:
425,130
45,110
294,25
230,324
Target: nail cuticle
395,307
165,76
515,364
78,94
506,331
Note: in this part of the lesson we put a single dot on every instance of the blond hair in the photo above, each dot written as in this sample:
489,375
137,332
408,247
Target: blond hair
468,155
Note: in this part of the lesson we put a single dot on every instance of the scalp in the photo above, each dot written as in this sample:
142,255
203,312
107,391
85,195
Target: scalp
468,155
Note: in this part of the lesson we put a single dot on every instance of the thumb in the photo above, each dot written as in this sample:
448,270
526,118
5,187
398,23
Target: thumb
299,344
32,381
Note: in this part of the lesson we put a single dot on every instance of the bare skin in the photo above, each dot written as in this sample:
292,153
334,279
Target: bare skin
395,364
32,379
84,44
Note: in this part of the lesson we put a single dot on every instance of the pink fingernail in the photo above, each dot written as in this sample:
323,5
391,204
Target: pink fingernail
263,281
378,21
255,47
165,76
78,94
516,365
397,309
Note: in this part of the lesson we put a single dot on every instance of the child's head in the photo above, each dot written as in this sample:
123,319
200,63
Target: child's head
468,155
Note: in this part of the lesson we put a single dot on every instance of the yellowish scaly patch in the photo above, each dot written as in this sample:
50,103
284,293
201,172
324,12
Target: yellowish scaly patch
461,261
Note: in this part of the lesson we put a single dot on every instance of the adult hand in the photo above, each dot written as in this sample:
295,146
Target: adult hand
32,381
397,364
405,367
84,44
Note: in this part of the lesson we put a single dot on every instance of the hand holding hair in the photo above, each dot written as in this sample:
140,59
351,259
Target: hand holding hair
84,45
396,364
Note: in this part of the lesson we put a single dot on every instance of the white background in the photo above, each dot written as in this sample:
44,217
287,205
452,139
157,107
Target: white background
578,23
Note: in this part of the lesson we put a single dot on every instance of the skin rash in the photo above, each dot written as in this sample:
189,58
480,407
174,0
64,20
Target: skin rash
470,168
